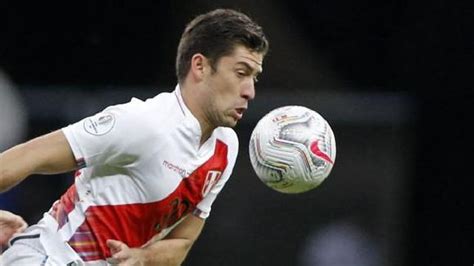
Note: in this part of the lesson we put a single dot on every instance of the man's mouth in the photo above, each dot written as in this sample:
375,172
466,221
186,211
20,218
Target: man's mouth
239,112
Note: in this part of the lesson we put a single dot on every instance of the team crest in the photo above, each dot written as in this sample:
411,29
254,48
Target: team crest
211,179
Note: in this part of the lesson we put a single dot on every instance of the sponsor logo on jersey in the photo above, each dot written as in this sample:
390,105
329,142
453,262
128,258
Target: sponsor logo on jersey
181,171
211,179
99,124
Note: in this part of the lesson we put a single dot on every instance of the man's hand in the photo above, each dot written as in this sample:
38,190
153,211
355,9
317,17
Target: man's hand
123,255
10,224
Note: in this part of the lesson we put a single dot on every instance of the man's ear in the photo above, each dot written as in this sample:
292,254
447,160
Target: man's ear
199,65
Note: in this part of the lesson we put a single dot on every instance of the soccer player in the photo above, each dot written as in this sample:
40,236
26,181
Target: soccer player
147,171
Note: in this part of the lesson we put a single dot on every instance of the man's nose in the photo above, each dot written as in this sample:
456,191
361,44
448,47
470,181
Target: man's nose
248,92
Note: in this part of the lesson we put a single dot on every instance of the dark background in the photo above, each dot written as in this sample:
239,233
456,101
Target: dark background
403,180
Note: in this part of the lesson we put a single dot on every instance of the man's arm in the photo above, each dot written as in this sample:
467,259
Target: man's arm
170,251
48,154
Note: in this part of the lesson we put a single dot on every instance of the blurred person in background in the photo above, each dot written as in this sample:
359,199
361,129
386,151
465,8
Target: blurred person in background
148,171
13,116
340,243
12,130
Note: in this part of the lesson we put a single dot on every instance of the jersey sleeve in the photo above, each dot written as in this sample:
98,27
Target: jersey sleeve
203,208
109,137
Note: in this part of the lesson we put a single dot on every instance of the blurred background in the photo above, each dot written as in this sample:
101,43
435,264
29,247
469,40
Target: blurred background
391,77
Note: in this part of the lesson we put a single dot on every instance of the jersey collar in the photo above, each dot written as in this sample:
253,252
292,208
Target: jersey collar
182,105
195,126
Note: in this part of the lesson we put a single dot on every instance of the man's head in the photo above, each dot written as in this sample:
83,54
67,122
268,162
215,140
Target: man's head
219,56
216,34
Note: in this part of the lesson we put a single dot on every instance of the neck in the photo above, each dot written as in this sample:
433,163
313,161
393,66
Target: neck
193,99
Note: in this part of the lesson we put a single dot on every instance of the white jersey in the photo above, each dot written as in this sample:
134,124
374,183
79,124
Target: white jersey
144,170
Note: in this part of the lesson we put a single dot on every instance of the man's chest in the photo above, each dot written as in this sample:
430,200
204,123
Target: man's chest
181,170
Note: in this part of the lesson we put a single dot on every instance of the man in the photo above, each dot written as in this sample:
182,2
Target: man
149,171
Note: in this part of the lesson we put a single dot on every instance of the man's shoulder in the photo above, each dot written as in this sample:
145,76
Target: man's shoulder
159,105
149,117
160,101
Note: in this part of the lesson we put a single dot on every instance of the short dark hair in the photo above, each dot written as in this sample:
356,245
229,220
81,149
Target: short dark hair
215,34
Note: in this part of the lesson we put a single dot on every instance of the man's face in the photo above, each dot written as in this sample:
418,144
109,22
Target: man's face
232,86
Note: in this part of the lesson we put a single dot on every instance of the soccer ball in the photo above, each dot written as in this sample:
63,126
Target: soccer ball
292,149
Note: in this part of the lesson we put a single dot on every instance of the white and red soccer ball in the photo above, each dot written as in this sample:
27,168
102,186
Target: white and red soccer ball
292,149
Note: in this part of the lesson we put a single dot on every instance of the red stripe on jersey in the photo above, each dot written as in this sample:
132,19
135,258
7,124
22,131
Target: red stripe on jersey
135,224
64,206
